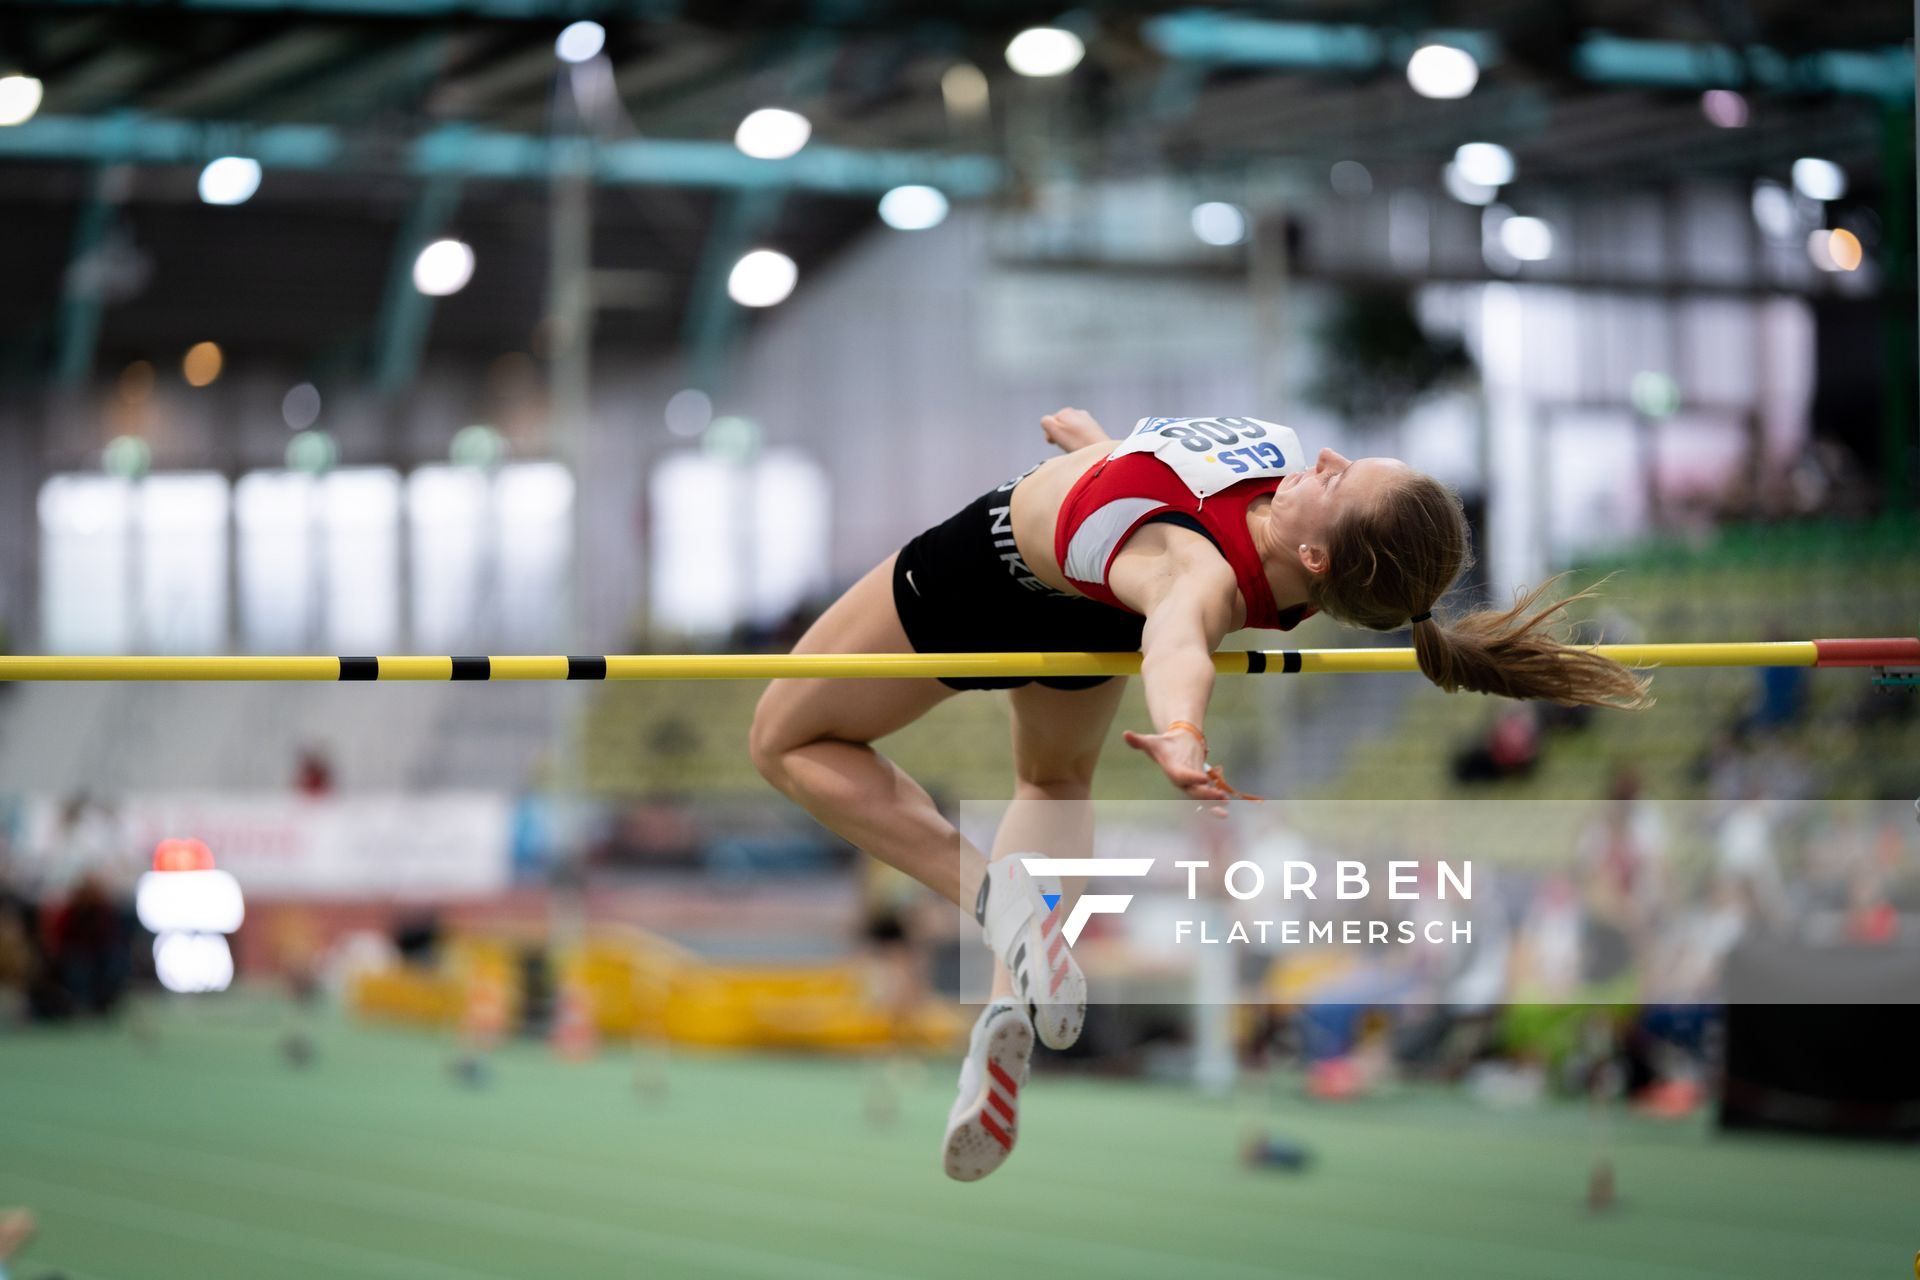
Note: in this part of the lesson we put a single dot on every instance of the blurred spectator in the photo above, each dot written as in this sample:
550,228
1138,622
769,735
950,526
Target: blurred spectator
17,959
1746,861
88,839
313,772
1878,705
88,949
777,635
894,965
1621,868
1781,698
655,834
1779,695
1719,771
1871,917
417,937
1510,749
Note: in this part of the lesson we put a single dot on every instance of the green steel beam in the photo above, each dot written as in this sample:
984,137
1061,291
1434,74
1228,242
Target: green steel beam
77,321
1227,40
1231,41
77,325
1883,74
405,312
517,10
486,154
713,319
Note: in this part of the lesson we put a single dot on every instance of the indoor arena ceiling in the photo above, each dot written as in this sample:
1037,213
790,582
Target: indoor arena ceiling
355,106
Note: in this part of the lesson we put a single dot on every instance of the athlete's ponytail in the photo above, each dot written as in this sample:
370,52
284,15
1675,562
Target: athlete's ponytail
1392,561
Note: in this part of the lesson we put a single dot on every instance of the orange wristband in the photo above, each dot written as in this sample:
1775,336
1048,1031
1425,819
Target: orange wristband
1214,775
1193,729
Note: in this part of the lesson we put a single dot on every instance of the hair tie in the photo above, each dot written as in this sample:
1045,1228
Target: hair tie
1421,617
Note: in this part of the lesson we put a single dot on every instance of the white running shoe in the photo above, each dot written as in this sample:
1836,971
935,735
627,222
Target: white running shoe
985,1120
1022,917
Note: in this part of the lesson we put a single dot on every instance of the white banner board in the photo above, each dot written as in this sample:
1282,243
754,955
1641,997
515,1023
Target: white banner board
282,845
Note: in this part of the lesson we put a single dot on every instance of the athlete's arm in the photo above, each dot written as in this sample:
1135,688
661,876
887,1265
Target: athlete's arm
1188,594
1072,429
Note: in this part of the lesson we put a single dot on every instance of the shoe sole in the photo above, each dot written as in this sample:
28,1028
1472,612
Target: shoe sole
1059,1010
981,1142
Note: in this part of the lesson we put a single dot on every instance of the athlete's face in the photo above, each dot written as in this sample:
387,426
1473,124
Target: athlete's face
1305,506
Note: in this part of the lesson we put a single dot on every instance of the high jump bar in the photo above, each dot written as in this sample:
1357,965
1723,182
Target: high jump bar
1887,652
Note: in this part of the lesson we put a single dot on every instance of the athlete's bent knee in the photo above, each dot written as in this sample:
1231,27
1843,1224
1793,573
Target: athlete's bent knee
1039,784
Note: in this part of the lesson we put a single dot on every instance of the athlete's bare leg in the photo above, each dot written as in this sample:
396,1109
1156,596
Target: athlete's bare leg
811,739
1057,738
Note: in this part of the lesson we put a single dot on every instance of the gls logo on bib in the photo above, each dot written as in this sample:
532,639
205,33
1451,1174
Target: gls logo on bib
1208,454
1212,453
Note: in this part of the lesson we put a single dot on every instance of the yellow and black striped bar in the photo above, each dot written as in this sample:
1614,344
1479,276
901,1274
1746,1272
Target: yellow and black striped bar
1896,652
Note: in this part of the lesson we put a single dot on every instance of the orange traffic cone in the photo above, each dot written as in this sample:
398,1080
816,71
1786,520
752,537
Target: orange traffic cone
483,1019
574,1035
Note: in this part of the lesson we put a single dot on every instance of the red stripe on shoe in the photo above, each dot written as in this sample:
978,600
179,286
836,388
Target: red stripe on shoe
1053,952
995,1132
1001,1105
1005,1080
1047,922
1059,976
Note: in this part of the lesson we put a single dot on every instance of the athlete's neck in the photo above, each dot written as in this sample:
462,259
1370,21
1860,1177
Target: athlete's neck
1285,574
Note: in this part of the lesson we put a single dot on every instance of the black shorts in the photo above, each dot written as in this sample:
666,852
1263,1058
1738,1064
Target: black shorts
962,587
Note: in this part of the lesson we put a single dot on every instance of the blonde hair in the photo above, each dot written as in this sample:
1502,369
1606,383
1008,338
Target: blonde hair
1397,556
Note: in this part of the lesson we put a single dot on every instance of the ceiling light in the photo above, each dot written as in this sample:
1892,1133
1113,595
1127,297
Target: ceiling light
1045,51
1724,108
230,180
19,99
762,278
1463,188
1219,223
1442,71
1819,179
1487,164
443,268
772,134
1528,239
913,208
580,41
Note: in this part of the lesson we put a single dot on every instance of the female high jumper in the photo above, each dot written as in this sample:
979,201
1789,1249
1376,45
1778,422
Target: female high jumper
1162,543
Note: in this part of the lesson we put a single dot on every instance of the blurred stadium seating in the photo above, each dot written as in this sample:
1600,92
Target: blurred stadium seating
1780,581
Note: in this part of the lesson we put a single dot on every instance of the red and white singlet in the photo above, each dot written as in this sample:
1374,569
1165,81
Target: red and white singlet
1208,469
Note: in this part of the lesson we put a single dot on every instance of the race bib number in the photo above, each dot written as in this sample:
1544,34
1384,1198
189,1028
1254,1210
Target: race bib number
1211,453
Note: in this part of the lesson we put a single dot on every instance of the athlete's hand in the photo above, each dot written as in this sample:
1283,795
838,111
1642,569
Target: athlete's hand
1072,429
1183,758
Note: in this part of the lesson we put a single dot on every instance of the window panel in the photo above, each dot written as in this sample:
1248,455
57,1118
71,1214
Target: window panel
86,564
275,514
450,537
183,562
534,509
360,514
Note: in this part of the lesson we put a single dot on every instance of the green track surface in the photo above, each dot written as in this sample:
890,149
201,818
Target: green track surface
195,1152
